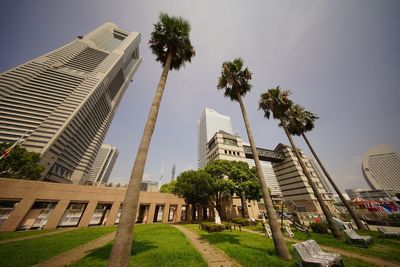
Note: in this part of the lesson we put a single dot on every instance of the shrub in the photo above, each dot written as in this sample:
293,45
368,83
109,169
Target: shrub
240,221
394,216
227,225
213,227
321,228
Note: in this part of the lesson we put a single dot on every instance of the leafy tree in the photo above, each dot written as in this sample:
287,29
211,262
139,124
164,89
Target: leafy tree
252,190
244,178
20,164
236,82
277,102
218,169
171,44
196,187
168,187
301,121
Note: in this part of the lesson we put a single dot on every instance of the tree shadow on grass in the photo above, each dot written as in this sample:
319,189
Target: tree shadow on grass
103,253
216,238
221,238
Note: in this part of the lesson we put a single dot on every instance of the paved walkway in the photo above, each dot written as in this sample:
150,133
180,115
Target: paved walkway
377,261
78,252
35,236
213,256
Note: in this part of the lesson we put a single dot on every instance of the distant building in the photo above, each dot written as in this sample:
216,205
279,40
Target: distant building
381,168
149,186
209,123
103,164
67,99
354,192
372,195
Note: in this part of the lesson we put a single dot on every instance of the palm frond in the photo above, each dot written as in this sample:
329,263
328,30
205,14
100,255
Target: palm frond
234,79
171,35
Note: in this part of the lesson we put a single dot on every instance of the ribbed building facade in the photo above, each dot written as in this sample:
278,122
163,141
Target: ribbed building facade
67,98
294,185
103,164
381,168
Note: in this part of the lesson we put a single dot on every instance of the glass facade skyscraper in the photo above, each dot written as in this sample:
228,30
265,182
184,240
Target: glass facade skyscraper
67,98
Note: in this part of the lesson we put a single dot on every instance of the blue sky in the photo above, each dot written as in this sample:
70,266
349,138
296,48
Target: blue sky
340,59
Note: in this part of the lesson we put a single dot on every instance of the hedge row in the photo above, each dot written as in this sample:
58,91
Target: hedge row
213,227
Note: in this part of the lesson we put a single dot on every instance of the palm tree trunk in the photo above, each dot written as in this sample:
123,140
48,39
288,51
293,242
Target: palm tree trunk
328,215
121,250
279,243
356,219
245,210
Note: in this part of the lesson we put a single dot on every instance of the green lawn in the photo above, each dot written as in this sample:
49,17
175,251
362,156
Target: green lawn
163,245
384,248
251,249
32,251
12,235
154,245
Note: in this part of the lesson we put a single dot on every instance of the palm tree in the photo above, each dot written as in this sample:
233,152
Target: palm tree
235,81
302,121
171,44
277,102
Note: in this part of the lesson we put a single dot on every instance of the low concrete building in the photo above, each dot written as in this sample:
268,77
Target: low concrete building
26,204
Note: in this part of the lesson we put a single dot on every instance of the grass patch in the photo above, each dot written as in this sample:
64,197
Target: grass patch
33,251
384,248
19,234
153,245
248,249
251,249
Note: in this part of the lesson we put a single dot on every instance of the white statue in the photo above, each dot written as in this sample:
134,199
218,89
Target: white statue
217,218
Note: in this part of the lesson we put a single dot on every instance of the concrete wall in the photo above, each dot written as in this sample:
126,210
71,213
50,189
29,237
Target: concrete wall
26,193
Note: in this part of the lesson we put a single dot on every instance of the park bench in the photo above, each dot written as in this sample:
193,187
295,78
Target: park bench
387,233
355,239
308,253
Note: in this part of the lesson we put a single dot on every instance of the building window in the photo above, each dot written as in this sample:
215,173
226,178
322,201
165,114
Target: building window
231,142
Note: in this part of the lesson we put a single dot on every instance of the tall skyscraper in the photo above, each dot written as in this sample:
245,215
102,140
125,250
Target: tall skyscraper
209,123
67,99
381,168
103,164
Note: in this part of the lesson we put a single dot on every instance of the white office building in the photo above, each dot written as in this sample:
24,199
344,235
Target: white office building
209,123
